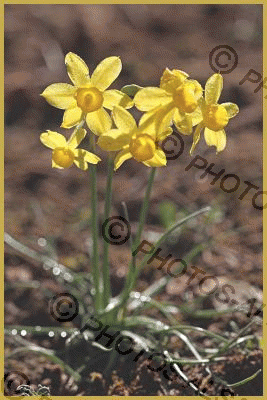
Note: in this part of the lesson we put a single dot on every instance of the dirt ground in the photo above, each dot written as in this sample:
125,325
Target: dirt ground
41,202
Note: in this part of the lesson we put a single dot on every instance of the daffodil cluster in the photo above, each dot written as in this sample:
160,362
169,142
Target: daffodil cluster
178,101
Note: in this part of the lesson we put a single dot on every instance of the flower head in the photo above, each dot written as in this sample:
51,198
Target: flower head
65,153
131,141
177,100
88,96
215,116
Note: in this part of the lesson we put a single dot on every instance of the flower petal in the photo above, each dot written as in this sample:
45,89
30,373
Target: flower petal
213,88
148,124
123,119
99,121
113,140
82,157
159,159
151,97
77,70
157,121
122,156
186,125
60,95
196,137
106,72
71,117
53,139
76,138
231,108
91,158
116,98
217,139
196,116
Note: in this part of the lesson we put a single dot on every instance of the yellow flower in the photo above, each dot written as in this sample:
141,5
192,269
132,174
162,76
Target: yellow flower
215,116
65,153
176,100
140,142
88,96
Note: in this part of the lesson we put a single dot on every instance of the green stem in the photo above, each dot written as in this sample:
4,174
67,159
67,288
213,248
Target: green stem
95,269
145,205
143,213
126,215
106,278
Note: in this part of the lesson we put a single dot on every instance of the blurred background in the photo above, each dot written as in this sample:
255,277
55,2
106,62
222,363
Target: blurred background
53,205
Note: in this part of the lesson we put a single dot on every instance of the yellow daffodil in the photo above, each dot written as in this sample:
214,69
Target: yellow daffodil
215,116
65,153
176,100
140,142
88,96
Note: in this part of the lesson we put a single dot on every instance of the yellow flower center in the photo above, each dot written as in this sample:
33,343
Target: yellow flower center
215,117
63,157
142,147
185,97
89,99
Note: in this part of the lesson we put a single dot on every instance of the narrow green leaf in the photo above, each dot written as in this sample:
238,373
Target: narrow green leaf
48,354
244,381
